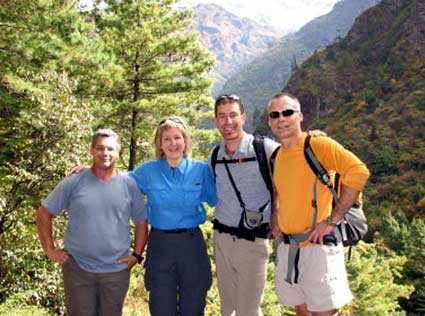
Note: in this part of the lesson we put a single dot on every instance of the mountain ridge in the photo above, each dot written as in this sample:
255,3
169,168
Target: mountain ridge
267,73
233,40
368,91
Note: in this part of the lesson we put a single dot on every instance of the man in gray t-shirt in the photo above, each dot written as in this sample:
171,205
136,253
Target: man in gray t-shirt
96,259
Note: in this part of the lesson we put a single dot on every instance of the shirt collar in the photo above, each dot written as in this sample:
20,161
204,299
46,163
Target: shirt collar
180,168
243,149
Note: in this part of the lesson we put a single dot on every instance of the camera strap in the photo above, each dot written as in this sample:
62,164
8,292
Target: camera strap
238,193
232,181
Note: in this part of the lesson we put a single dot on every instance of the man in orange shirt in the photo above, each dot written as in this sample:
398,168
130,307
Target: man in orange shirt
317,285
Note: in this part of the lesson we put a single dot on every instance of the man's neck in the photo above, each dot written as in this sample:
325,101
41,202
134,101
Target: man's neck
292,141
232,145
104,174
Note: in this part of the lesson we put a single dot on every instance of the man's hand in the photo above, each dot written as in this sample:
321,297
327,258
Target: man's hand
275,227
130,261
60,256
316,133
322,229
76,169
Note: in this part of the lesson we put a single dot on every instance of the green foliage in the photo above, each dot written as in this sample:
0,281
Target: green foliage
157,70
44,126
268,73
407,238
371,108
47,135
16,306
374,275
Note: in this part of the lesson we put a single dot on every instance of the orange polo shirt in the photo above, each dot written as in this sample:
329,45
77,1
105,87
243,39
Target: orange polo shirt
294,181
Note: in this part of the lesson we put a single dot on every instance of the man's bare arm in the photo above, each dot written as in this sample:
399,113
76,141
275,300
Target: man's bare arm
140,240
45,232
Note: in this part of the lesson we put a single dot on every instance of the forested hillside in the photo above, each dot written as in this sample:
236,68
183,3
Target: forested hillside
368,91
267,73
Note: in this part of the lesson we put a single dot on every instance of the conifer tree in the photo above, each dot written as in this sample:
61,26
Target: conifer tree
43,129
407,238
157,69
375,278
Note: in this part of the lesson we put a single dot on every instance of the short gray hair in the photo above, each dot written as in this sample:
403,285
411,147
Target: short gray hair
282,95
105,132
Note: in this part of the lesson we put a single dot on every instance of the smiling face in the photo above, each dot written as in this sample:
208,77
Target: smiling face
285,128
105,152
172,144
229,121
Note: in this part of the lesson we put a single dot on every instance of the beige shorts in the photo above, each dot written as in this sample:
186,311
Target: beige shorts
322,279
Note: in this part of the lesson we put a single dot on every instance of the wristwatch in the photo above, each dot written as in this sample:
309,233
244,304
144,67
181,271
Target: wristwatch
138,257
329,221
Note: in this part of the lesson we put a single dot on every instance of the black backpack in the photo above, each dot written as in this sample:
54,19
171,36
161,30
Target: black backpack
353,227
260,156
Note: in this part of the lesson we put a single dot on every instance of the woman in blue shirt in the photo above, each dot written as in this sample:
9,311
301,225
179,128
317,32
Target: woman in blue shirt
178,271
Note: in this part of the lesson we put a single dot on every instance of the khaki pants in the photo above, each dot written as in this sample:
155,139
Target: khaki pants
241,273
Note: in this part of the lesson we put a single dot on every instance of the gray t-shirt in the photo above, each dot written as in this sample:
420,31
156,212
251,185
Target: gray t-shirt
99,212
248,179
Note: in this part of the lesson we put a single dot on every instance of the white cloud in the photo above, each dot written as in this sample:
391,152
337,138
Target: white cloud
284,14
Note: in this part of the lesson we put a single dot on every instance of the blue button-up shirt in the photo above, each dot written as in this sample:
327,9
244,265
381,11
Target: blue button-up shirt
175,195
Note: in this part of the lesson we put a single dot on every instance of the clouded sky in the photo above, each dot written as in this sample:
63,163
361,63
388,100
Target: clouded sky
287,15
284,14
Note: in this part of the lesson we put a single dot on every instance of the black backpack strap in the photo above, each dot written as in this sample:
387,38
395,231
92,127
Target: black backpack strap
263,163
273,158
315,165
317,168
214,155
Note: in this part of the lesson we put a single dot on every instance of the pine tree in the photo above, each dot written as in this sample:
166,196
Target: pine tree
43,129
407,238
157,69
374,275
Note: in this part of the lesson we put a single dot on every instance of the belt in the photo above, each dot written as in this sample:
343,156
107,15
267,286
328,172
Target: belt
329,239
285,238
175,231
263,231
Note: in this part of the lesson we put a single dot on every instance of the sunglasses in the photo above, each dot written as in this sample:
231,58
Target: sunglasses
285,113
173,119
223,97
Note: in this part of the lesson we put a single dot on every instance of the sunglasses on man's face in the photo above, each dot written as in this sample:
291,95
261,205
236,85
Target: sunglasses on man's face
223,97
173,119
285,113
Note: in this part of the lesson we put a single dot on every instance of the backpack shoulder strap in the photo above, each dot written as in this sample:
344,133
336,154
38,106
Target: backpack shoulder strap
273,158
214,155
317,168
263,163
315,165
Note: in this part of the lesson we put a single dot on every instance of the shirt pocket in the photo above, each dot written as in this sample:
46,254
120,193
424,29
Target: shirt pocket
157,194
192,194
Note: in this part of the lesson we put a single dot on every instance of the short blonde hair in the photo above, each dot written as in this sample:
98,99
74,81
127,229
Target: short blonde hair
172,122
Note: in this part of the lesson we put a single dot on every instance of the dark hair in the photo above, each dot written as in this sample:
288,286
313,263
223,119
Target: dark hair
105,132
226,99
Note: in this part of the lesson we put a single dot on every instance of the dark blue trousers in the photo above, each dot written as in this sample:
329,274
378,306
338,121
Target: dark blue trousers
178,273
